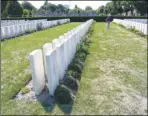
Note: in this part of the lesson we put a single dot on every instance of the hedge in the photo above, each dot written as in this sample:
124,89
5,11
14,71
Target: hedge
77,18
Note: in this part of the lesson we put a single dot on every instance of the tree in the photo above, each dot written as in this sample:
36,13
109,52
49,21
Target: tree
33,11
25,12
29,14
126,6
109,8
14,9
76,7
52,7
3,5
101,9
5,10
88,8
140,6
27,5
61,8
77,10
119,7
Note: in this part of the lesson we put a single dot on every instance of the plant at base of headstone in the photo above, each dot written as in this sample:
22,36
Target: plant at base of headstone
71,83
81,56
63,95
78,61
25,90
75,67
74,74
82,48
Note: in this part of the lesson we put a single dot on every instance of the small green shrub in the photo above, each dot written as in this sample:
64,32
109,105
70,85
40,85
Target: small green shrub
81,56
82,47
25,90
74,74
63,94
78,61
75,67
71,83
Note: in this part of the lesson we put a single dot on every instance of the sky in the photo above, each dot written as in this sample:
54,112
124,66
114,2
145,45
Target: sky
81,4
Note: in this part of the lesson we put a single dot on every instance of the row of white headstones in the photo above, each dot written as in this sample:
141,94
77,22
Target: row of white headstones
55,58
138,20
19,29
16,22
132,24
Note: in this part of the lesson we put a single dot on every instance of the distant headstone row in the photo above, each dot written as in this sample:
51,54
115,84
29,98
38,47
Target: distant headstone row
145,21
16,22
56,56
28,26
132,24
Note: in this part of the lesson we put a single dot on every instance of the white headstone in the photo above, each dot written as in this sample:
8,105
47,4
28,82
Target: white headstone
36,63
46,48
52,78
55,45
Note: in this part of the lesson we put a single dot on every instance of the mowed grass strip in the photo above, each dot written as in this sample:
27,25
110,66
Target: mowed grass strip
114,78
15,68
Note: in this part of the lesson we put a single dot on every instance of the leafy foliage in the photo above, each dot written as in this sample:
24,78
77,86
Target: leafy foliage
15,9
27,5
12,9
74,74
76,67
25,13
3,5
88,8
25,90
63,95
71,83
119,7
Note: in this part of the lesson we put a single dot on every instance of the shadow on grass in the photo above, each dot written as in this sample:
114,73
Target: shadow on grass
46,100
66,108
48,103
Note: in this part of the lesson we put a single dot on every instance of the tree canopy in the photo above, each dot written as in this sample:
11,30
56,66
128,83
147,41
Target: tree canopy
27,5
11,9
14,9
118,7
88,8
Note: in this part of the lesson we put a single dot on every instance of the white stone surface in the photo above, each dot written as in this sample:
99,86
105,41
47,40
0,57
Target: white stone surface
52,78
30,25
46,48
36,63
55,45
133,23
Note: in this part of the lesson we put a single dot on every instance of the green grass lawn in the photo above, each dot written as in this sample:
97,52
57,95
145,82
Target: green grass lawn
114,78
15,68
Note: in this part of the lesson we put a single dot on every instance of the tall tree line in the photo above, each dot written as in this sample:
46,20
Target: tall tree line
13,8
118,7
26,9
